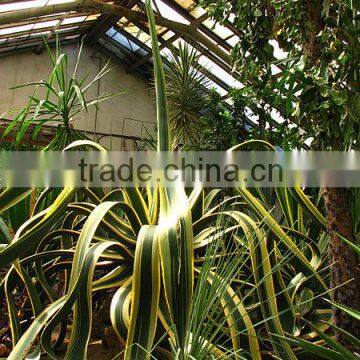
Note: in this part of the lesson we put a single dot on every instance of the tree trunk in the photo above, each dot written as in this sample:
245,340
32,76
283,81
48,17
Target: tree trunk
344,269
312,45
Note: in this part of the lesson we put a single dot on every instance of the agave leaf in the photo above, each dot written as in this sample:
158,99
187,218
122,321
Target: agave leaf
80,286
279,232
23,346
308,206
285,202
115,278
238,320
262,270
145,295
24,277
117,232
79,293
120,310
4,232
212,233
284,302
11,196
82,321
320,351
137,201
14,322
218,312
209,198
177,261
29,234
352,312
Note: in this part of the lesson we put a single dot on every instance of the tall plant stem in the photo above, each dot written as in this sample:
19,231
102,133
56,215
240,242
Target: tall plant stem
160,86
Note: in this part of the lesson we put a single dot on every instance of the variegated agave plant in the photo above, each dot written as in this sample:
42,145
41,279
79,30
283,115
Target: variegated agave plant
198,275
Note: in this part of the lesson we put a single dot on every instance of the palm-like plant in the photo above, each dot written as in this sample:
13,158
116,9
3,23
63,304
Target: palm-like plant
223,277
64,98
186,90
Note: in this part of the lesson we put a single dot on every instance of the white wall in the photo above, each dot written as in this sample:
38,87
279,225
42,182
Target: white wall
125,114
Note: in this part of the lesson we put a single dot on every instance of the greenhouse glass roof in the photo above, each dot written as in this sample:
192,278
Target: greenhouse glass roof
127,38
120,26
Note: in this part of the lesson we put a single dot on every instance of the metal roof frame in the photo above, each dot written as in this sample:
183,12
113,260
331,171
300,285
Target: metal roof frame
25,23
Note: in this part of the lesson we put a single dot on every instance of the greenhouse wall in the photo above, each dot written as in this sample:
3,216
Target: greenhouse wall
118,116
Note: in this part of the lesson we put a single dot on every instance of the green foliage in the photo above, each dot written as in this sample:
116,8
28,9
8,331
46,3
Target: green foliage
186,89
220,127
227,125
316,84
239,273
227,278
57,100
332,349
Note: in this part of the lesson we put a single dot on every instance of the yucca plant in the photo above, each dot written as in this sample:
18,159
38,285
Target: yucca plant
186,90
198,276
57,100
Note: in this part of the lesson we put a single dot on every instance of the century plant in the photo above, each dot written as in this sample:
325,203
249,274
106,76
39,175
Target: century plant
332,349
314,47
198,275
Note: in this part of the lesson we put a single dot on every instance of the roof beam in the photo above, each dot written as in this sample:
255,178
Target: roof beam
35,42
97,6
203,47
127,52
178,8
41,46
163,45
105,22
41,30
42,19
147,57
24,14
